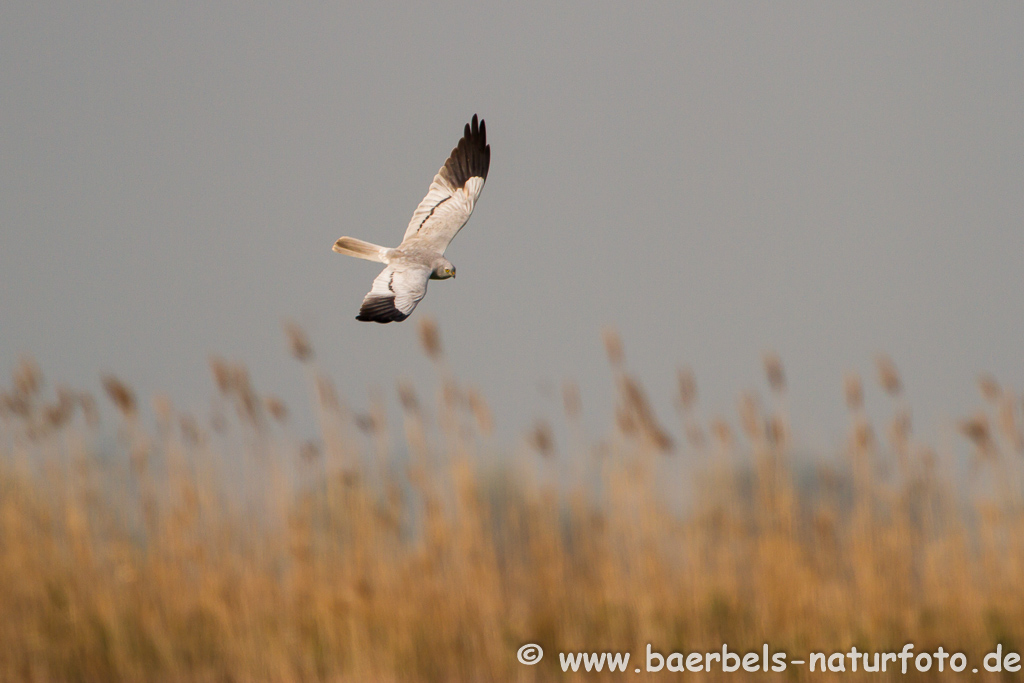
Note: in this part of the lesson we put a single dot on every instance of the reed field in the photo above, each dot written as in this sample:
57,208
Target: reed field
143,543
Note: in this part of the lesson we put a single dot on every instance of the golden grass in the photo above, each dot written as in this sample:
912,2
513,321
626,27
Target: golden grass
223,548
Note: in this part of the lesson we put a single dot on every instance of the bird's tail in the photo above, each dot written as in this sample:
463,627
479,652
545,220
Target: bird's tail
361,249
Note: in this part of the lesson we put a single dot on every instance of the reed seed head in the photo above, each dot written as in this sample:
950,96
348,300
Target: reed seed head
222,375
59,413
28,379
989,388
977,429
190,431
888,376
309,452
636,415
430,338
407,397
366,423
722,432
613,347
326,393
277,409
853,391
774,372
542,439
298,342
88,405
687,389
120,394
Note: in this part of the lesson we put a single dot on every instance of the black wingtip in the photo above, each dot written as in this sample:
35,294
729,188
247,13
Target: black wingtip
380,309
471,157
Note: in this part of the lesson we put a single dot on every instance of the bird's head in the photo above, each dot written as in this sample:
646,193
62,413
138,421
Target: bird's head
443,269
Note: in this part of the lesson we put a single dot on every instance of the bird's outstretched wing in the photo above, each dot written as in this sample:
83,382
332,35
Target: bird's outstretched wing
395,293
452,195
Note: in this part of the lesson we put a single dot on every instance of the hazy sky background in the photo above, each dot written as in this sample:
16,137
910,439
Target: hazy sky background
713,179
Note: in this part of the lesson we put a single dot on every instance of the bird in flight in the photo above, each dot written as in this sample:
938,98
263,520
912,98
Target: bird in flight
436,221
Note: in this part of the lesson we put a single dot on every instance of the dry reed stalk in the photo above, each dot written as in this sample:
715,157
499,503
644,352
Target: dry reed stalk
687,405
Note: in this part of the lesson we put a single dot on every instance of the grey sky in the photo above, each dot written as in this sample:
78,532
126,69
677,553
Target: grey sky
713,179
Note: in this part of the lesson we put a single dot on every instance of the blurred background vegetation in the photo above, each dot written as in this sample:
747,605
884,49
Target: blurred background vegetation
157,544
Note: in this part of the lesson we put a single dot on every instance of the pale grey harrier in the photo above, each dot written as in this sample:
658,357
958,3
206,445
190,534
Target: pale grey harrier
436,221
